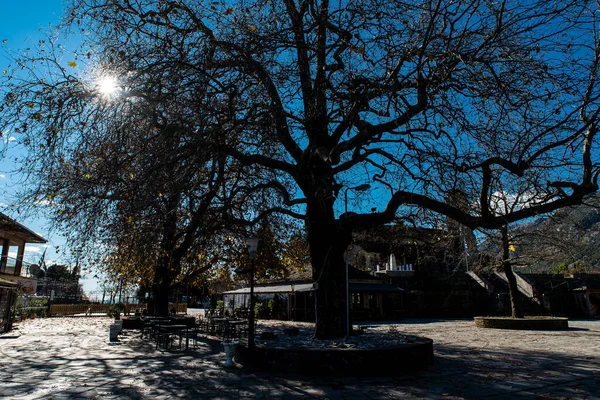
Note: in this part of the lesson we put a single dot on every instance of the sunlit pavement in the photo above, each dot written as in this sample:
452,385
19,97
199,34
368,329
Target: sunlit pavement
72,358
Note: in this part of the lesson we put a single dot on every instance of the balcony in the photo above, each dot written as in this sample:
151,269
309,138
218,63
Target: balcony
8,266
393,270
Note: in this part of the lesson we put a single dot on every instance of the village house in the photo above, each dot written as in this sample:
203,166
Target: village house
16,276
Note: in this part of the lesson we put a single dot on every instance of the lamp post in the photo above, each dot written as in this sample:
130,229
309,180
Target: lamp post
252,244
360,188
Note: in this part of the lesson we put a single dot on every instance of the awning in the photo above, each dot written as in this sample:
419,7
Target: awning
303,287
308,287
373,287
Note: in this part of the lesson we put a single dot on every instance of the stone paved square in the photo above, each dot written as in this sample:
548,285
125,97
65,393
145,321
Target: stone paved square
68,358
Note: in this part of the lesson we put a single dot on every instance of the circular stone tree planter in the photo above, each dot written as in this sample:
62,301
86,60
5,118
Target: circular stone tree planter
527,323
337,361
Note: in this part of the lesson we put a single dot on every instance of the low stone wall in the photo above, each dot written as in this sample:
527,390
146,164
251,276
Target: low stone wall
63,310
355,362
527,323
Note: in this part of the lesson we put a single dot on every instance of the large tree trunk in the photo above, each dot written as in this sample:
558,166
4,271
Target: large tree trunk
167,265
161,288
328,242
515,301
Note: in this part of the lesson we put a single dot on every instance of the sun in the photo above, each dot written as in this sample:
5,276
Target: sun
108,86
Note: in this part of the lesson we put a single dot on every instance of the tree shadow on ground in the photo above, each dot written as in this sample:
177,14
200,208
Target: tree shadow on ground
134,369
470,373
410,321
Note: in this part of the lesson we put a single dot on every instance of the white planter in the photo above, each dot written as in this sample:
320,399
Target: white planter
229,348
113,332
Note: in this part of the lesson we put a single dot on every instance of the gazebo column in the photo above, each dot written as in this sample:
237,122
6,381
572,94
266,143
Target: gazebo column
19,261
4,257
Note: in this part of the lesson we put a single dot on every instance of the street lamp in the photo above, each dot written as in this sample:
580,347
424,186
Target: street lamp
360,188
252,244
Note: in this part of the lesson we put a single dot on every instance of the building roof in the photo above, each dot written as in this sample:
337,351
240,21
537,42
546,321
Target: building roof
288,288
9,226
8,284
308,287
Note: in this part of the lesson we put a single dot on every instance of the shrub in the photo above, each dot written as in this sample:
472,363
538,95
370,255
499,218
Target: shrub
115,310
220,306
258,309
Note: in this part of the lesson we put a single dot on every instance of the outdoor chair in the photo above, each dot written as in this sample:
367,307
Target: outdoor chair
241,313
191,333
166,333
162,339
228,332
147,328
206,327
211,326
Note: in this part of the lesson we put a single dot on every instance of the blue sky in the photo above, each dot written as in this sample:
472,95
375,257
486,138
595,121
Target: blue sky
20,28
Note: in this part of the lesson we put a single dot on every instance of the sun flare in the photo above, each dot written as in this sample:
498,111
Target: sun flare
108,85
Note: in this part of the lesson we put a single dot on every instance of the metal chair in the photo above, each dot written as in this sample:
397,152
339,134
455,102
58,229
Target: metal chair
191,333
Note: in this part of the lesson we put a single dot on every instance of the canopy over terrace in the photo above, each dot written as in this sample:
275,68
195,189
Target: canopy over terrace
298,298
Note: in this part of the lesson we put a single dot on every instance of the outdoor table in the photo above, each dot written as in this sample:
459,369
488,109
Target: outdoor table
152,325
165,332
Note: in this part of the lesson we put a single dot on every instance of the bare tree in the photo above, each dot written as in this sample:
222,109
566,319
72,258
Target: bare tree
419,98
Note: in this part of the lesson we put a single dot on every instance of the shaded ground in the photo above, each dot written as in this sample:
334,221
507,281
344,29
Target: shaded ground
71,358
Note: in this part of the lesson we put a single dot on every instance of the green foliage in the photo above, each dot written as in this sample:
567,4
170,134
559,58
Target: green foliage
30,307
270,306
259,309
38,303
115,310
60,272
560,269
220,306
274,306
568,269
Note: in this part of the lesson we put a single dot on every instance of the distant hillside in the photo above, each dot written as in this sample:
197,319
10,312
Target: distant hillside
568,240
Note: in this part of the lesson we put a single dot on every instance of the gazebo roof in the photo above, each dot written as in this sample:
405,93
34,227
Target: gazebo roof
11,228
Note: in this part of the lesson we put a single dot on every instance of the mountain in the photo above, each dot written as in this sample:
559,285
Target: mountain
566,241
